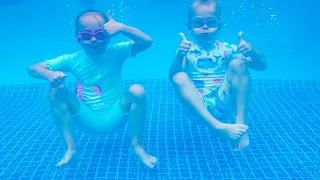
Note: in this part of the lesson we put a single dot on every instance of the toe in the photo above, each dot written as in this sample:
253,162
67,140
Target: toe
244,127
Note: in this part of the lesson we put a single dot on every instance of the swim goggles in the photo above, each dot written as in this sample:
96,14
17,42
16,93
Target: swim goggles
87,35
199,22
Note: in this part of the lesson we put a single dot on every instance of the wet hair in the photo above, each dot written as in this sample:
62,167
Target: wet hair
88,12
203,2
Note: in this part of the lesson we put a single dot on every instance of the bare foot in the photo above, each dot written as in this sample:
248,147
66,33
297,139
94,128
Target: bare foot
70,156
232,132
242,143
146,158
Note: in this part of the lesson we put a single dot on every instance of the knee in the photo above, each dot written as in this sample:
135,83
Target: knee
180,78
136,90
238,66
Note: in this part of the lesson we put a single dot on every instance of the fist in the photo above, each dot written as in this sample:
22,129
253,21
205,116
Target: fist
56,79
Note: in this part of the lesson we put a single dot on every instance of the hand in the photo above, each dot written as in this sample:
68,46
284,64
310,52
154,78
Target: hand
184,47
56,78
244,47
112,27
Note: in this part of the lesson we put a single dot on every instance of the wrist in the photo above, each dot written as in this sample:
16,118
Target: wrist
48,74
179,57
122,27
254,53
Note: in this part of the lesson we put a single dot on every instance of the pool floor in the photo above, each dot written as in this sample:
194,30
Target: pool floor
284,138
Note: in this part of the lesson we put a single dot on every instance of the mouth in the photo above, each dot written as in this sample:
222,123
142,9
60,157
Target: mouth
205,32
95,47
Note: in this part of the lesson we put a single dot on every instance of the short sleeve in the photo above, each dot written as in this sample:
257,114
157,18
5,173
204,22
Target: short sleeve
231,52
121,51
62,63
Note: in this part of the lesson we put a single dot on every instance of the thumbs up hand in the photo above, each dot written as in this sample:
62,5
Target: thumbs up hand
244,47
112,27
184,47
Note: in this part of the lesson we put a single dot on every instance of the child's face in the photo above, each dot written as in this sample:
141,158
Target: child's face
204,24
92,36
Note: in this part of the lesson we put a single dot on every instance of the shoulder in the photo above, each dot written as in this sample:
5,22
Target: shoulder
119,46
64,58
71,56
63,62
119,51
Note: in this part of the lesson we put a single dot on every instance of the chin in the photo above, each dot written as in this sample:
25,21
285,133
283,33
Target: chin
96,51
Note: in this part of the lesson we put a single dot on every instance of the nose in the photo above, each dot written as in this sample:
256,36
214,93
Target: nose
93,39
205,26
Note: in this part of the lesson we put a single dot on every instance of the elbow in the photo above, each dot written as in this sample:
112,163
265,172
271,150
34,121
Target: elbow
264,65
170,76
31,70
171,73
260,67
259,64
148,42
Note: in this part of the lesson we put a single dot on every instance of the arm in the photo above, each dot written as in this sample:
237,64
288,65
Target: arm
177,66
140,40
46,69
257,61
39,71
180,60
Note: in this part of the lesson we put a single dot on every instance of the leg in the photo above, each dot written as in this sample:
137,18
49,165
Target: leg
239,77
63,104
191,99
134,103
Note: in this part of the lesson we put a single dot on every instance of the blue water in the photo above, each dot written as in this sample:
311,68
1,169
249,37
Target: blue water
286,32
284,144
284,112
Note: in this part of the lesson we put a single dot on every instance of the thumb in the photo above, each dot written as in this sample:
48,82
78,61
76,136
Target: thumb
240,36
109,16
183,36
63,74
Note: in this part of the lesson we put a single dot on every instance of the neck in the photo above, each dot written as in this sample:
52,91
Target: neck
206,44
96,57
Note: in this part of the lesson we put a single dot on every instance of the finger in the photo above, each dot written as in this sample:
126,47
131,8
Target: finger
243,49
63,74
187,43
185,46
109,15
57,81
240,36
60,79
183,50
183,36
241,45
